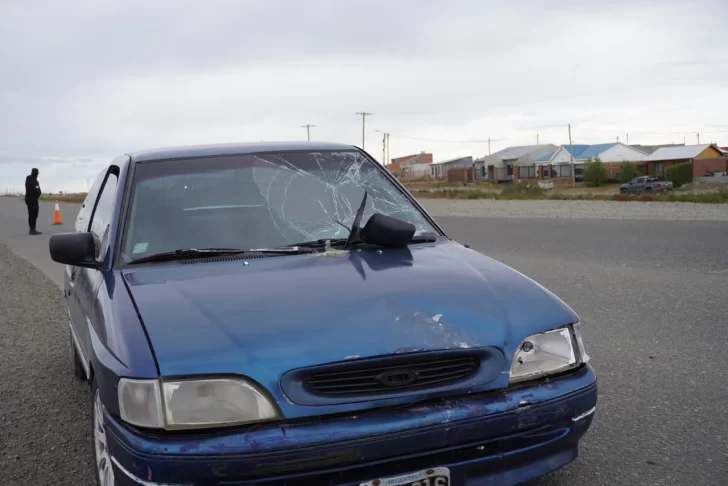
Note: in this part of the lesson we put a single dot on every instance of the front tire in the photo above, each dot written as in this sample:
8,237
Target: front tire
102,458
623,191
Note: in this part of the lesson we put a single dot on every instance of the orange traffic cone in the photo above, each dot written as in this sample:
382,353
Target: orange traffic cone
57,215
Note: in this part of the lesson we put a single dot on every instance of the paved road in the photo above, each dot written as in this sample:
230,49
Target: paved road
651,295
14,232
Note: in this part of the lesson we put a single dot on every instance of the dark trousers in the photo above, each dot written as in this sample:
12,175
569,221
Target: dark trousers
32,213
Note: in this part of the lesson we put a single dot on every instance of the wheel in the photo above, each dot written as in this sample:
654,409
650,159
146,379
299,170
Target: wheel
102,459
623,191
78,370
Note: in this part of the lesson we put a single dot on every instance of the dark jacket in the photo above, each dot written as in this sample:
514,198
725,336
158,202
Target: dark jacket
32,188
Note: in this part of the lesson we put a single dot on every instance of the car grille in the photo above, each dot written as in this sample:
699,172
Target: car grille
409,374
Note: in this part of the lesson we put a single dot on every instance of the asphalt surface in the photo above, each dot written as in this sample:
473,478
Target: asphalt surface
651,295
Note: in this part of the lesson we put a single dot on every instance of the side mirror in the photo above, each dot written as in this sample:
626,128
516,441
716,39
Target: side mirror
75,249
387,231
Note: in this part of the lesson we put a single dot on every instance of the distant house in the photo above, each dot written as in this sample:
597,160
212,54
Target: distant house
504,160
612,154
706,159
398,165
416,171
439,169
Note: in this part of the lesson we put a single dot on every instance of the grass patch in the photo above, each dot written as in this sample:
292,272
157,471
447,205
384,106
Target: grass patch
538,194
70,198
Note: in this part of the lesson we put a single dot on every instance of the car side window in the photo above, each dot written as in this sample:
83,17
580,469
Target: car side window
103,213
84,214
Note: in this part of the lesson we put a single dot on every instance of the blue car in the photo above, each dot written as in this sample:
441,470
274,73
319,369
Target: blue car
288,314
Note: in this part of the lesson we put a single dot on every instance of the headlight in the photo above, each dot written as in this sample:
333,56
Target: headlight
140,403
187,404
548,353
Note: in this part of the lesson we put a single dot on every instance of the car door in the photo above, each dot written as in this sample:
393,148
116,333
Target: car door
73,303
87,280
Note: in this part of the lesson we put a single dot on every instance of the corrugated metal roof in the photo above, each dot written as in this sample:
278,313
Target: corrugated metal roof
515,152
594,150
648,149
545,157
449,161
518,151
677,153
577,149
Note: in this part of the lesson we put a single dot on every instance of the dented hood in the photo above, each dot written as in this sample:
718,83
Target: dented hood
264,317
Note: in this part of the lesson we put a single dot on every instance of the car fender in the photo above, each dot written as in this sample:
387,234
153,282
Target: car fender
119,344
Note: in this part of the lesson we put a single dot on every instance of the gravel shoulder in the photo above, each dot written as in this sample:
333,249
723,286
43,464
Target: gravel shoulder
44,412
664,211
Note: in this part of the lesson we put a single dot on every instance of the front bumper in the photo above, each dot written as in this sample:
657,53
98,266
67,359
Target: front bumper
497,438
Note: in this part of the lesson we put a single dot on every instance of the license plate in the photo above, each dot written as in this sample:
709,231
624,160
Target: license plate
437,476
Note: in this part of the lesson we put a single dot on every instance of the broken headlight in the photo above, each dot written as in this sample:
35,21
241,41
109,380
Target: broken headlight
548,353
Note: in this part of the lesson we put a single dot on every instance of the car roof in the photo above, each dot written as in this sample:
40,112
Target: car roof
232,149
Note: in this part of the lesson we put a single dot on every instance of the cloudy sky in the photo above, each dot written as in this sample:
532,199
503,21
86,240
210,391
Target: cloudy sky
81,82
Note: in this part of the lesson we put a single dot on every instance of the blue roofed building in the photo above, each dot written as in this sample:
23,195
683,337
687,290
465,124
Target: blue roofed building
612,154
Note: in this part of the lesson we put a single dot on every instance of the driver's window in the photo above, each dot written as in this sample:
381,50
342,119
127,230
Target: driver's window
84,214
103,213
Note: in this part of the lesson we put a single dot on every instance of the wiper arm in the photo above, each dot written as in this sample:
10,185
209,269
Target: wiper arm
317,243
186,253
355,225
421,238
424,238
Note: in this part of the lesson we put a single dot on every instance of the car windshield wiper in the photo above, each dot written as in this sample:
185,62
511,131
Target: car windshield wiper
424,238
421,238
186,253
317,243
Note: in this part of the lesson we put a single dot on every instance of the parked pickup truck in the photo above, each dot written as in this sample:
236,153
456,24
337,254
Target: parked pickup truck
645,184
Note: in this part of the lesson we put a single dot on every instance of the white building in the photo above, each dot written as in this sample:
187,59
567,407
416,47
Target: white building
612,154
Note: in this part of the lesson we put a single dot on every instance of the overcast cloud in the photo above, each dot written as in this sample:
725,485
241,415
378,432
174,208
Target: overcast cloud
81,82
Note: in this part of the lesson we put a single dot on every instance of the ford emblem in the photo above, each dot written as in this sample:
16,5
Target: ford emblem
397,378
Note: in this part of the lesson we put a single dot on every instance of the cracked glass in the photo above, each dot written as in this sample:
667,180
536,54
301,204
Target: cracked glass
257,201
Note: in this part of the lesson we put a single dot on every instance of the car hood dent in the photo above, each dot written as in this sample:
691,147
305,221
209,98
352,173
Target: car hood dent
271,315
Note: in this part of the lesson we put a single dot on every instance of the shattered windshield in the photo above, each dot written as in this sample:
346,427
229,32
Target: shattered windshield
256,201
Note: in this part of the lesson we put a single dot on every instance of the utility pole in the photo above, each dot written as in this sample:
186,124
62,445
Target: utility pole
617,138
308,130
698,134
385,147
628,139
537,139
387,158
364,115
571,154
488,145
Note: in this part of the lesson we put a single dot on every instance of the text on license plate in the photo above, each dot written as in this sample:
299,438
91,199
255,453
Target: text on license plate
438,476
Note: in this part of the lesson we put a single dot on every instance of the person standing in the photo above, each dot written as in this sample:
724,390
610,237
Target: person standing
32,194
